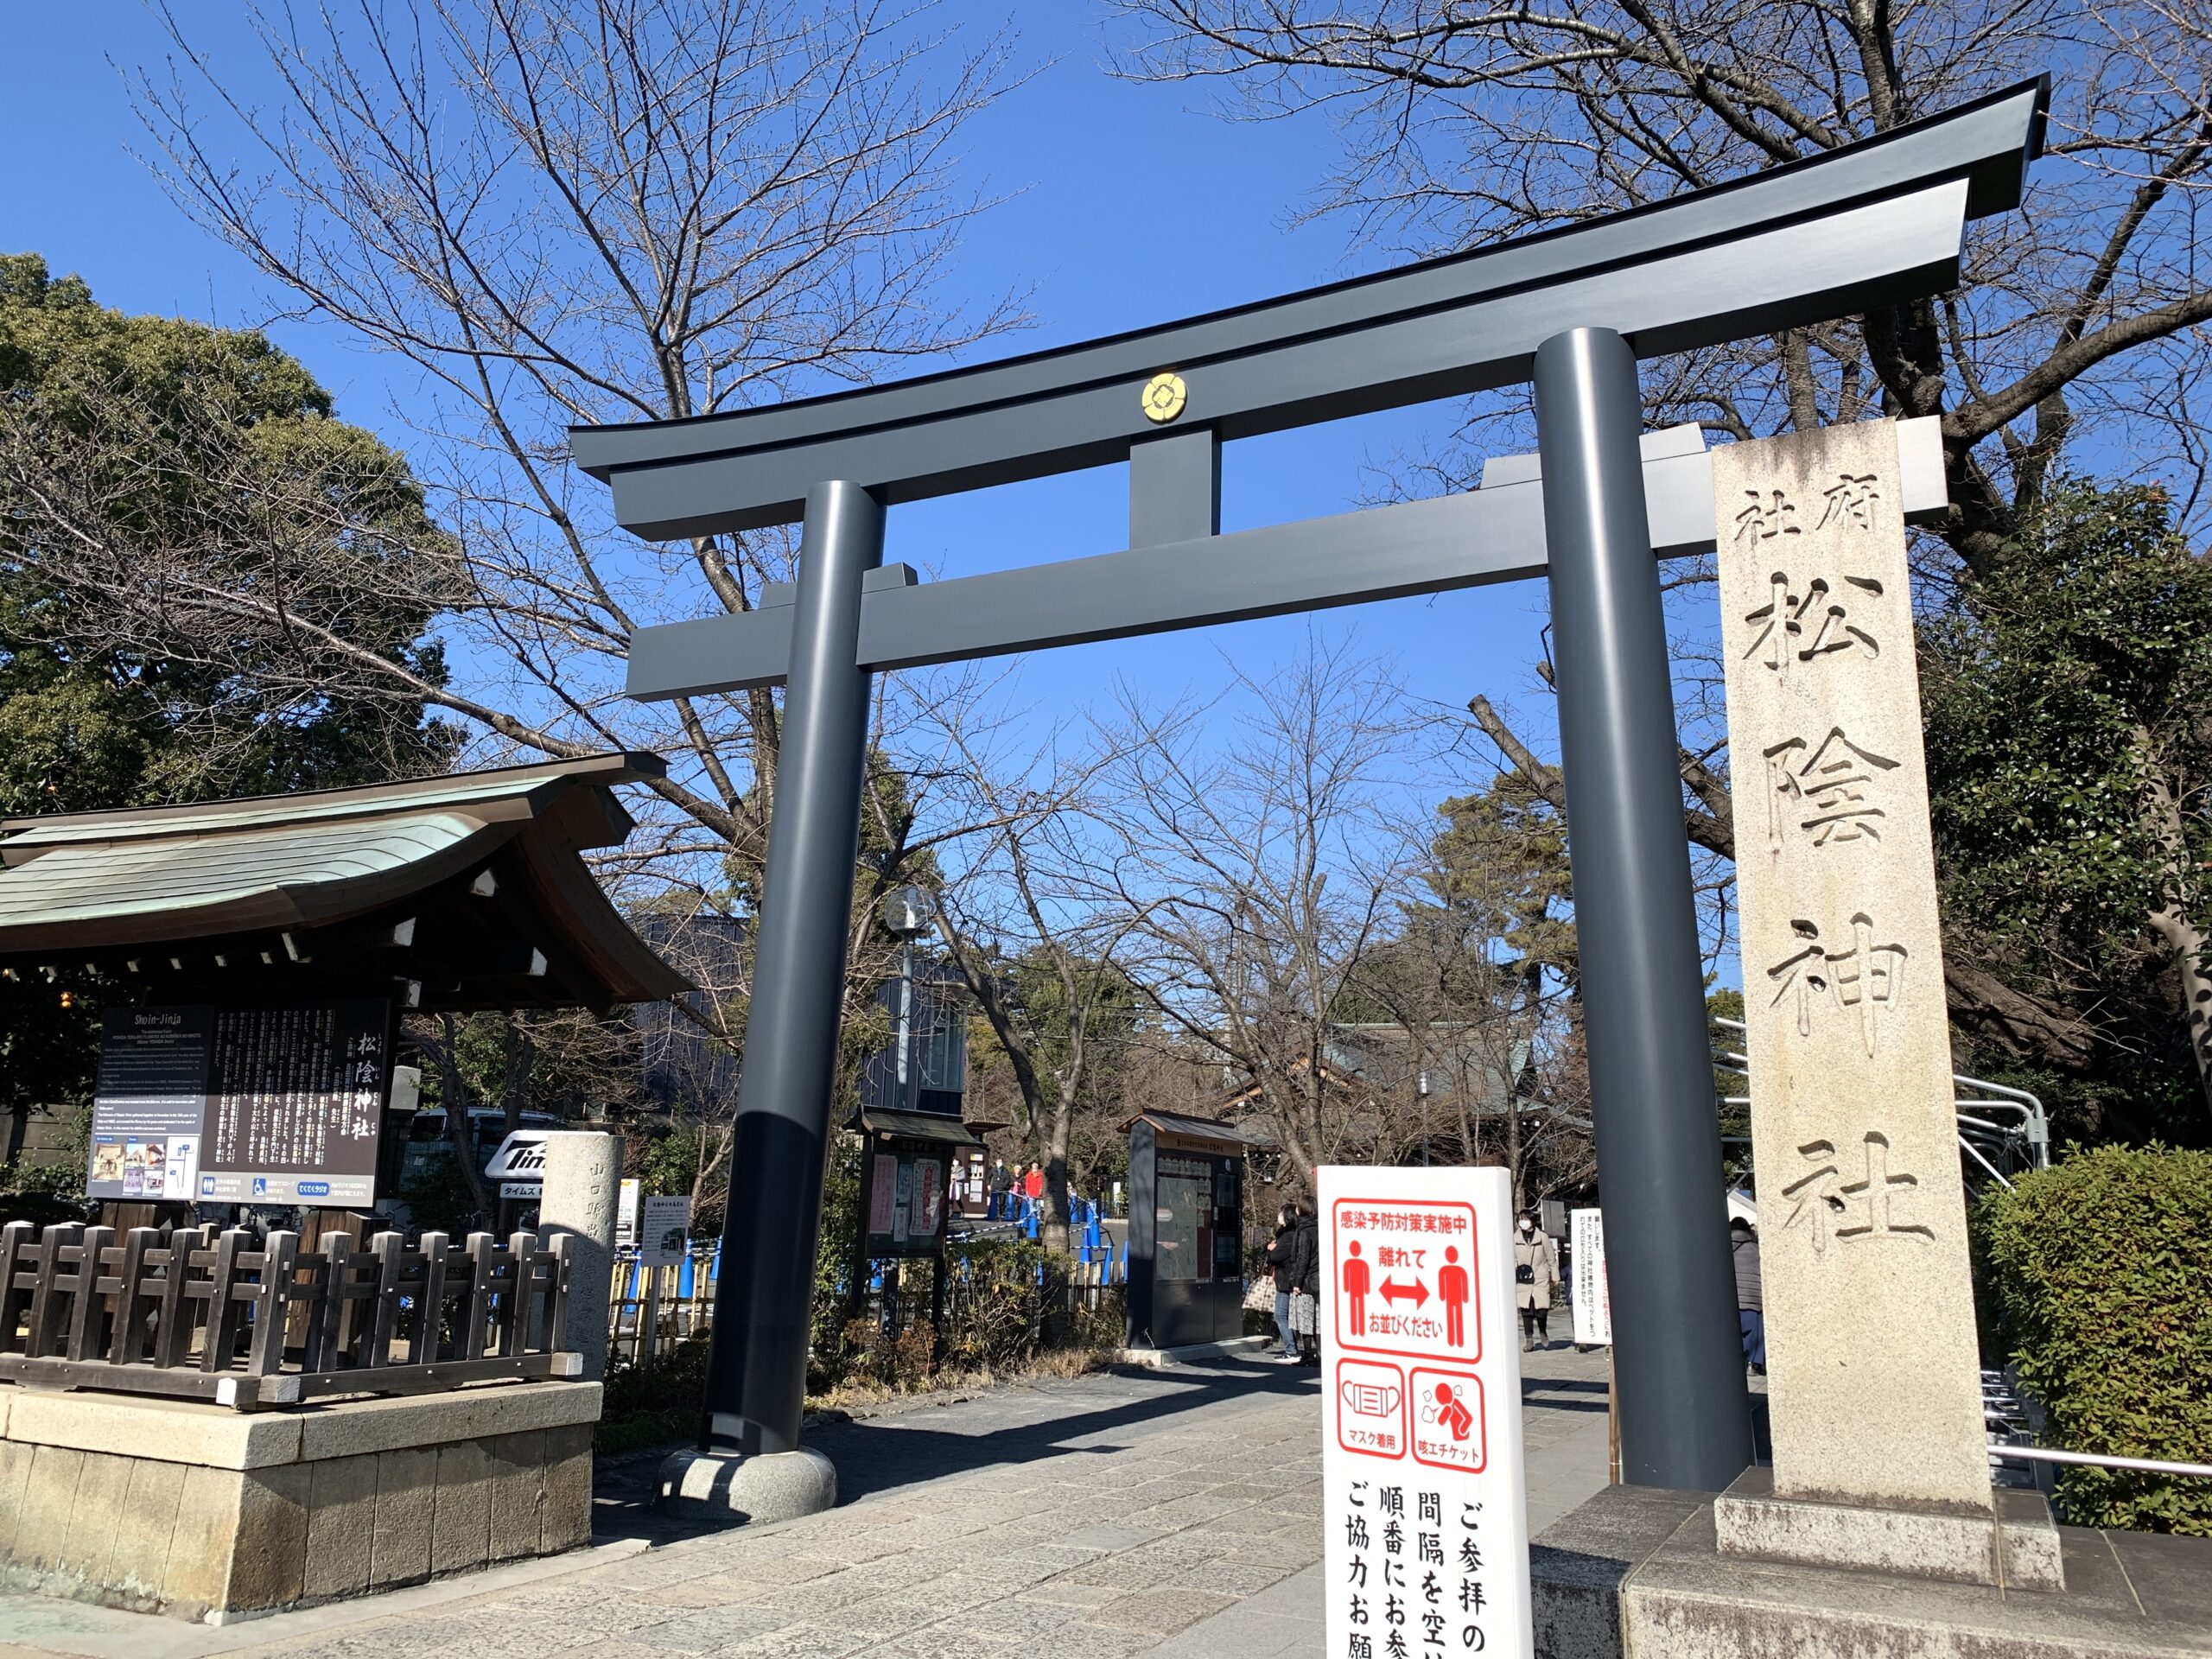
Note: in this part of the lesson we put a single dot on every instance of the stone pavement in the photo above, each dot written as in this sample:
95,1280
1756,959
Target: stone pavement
1102,1515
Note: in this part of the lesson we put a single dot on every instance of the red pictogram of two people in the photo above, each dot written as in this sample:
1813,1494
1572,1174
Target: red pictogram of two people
1356,1279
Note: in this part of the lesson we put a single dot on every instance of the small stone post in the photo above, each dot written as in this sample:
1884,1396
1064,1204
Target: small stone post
583,1182
1873,1367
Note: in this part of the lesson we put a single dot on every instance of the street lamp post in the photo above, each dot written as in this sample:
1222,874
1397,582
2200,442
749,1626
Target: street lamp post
1421,1087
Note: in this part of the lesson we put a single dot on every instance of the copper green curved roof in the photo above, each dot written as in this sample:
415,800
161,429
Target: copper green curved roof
89,882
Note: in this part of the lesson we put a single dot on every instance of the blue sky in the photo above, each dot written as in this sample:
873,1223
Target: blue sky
1127,204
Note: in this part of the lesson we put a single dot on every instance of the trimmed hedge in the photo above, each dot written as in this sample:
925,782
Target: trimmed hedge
2096,1277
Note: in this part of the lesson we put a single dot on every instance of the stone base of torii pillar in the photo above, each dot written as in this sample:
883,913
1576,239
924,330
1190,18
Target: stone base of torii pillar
2015,1546
1640,1572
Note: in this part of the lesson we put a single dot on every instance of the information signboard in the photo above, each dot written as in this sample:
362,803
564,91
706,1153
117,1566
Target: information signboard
241,1105
1425,1524
148,1103
625,1215
1593,1307
663,1231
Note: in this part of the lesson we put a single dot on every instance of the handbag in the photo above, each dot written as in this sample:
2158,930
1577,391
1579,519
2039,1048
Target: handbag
1524,1274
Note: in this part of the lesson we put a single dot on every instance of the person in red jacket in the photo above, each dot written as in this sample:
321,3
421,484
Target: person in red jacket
1033,1184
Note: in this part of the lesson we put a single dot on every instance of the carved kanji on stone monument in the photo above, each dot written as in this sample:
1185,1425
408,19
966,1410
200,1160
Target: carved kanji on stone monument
1873,1374
1830,1204
1831,789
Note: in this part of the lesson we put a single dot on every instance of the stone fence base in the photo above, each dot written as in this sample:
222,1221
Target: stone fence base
196,1511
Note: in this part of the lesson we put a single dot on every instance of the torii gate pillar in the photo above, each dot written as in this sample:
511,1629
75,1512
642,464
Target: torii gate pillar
1685,1412
764,1297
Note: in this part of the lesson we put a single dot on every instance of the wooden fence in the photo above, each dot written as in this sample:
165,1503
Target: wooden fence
650,1309
214,1317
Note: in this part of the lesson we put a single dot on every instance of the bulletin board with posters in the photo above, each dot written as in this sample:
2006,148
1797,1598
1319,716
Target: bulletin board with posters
904,1197
1425,1522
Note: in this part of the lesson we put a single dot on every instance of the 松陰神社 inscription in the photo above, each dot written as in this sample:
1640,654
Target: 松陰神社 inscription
1873,1376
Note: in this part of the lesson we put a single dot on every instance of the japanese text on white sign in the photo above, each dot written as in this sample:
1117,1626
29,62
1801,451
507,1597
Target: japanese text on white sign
1593,1305
1425,1530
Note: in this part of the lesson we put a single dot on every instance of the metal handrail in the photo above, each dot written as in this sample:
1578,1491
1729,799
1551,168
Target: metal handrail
1974,1152
2146,1465
2035,1128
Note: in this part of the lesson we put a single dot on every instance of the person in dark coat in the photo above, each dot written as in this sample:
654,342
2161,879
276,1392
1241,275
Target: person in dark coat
1305,1284
1280,1250
1751,1303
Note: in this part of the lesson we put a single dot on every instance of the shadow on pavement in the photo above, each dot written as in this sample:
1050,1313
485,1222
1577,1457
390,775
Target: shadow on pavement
874,1457
881,1454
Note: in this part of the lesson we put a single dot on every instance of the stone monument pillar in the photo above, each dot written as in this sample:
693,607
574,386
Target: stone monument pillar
583,1184
1872,1363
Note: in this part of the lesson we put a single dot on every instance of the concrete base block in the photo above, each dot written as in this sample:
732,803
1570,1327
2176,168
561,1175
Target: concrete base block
778,1486
1194,1352
1640,1572
2015,1545
196,1511
1578,1565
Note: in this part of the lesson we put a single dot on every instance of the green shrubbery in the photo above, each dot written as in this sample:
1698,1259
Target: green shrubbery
1007,1305
1006,1308
657,1404
1009,1302
2097,1278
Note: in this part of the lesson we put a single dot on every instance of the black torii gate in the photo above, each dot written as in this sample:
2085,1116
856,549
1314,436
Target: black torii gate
1870,226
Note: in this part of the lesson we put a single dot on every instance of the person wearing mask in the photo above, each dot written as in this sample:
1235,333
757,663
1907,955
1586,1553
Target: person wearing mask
1305,1284
1281,1253
1535,1276
1750,1305
1001,1206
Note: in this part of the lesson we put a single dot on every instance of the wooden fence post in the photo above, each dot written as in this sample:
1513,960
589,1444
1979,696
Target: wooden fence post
382,1323
84,1304
129,1346
327,1327
430,1302
481,1248
45,1295
514,1302
556,1292
173,1334
272,1304
223,1309
18,1261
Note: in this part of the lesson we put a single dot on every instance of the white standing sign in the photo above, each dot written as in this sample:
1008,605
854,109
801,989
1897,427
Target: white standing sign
662,1230
1425,1521
625,1215
1593,1305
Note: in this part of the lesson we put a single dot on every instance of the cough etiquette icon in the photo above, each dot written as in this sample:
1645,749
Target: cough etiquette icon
1447,1427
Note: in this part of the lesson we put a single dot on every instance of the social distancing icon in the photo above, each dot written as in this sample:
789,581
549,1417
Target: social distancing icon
1405,1278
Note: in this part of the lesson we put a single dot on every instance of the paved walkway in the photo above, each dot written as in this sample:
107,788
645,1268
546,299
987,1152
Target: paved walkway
1105,1516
